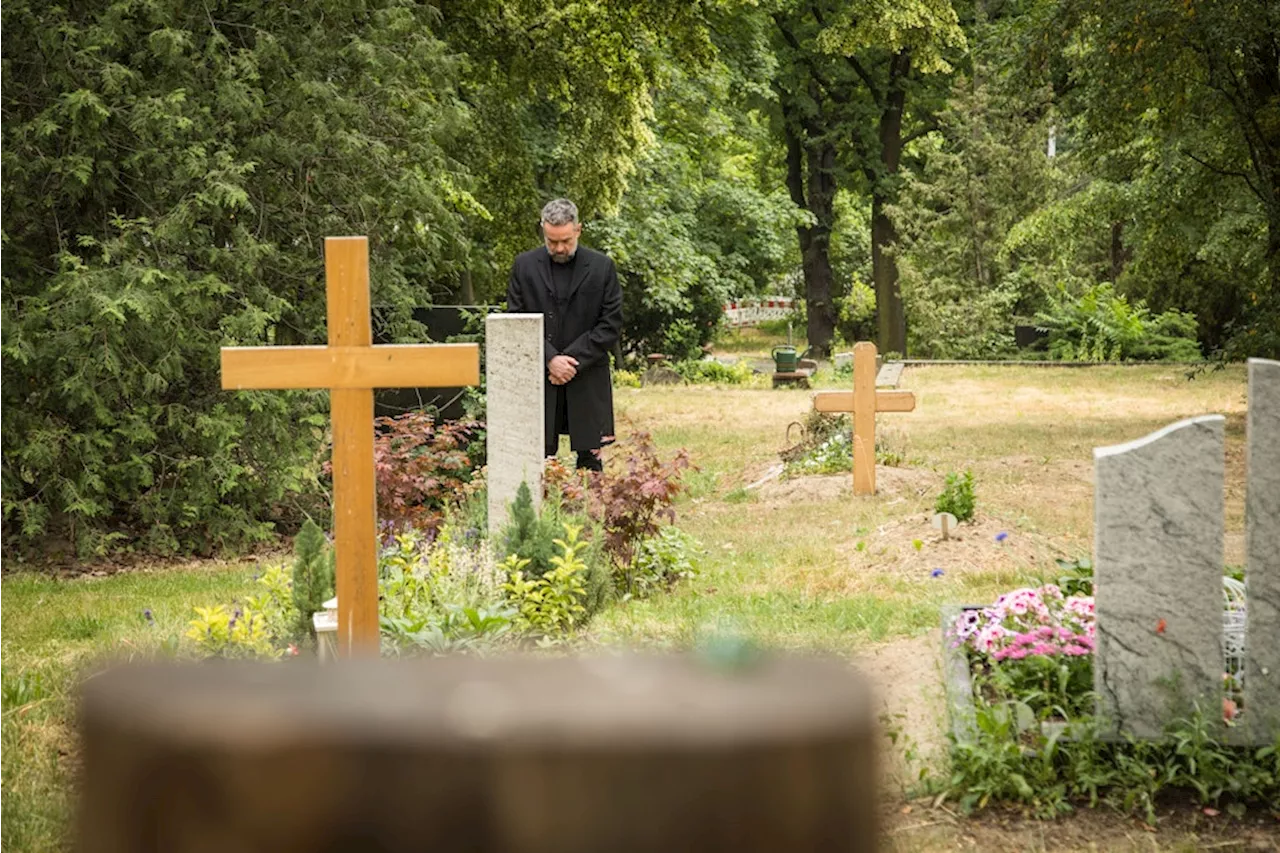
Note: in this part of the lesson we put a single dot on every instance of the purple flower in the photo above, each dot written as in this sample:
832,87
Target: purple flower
936,573
1001,536
146,614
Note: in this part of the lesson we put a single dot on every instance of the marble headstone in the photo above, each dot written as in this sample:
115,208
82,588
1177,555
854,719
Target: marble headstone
1262,543
514,404
1158,575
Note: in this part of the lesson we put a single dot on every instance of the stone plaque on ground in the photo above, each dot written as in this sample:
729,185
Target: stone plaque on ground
1262,538
1158,575
514,405
890,374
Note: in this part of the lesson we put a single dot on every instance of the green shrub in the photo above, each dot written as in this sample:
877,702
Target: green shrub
552,604
457,629
833,456
241,633
660,562
957,496
154,163
313,575
531,536
1101,325
712,371
626,379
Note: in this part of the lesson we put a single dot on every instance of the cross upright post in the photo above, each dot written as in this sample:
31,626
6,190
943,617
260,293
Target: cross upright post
863,402
351,367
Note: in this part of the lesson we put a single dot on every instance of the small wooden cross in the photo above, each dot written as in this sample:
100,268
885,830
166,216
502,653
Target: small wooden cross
351,367
864,401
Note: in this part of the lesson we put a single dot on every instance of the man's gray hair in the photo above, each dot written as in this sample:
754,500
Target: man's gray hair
560,212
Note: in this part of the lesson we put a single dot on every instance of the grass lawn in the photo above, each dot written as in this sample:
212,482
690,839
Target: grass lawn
793,563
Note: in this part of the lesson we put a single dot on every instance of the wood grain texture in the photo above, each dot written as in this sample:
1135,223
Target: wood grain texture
864,418
355,521
521,755
346,291
355,503
842,401
383,366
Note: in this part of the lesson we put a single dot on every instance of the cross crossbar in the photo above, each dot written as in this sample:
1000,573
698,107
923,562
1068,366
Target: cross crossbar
383,366
844,401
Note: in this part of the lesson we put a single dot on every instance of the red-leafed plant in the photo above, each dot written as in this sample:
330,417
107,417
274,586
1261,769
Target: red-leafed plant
421,467
630,499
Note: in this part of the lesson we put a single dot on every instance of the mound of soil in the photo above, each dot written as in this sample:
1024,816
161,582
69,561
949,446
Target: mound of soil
974,547
818,488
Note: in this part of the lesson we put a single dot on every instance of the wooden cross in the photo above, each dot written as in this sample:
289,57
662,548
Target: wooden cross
351,367
864,401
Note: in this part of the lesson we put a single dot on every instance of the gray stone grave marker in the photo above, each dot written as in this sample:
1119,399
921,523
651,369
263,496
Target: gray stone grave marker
514,404
1158,575
1262,544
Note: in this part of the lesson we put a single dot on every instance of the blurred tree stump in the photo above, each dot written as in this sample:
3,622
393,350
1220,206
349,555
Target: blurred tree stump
540,754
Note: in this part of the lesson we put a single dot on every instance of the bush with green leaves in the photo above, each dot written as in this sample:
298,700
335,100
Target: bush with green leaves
313,578
456,630
715,372
169,176
1012,760
660,562
957,496
1101,325
552,604
531,535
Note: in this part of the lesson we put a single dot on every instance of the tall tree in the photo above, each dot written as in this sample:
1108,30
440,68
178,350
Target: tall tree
854,88
170,171
1195,83
562,97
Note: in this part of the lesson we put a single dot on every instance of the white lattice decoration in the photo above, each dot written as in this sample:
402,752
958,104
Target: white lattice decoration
1234,618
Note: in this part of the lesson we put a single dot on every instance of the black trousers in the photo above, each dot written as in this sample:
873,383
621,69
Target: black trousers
587,459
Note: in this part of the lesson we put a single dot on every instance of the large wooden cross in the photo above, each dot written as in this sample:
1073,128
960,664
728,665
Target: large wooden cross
351,367
864,401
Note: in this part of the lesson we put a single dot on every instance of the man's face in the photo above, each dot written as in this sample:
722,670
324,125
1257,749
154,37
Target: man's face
561,240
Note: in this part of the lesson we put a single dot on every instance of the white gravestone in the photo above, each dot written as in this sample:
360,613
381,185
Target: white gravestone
1158,576
514,402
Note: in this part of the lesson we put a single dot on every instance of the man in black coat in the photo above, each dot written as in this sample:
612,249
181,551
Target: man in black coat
576,291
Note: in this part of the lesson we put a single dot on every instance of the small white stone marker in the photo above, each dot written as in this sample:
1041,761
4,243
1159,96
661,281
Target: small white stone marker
514,371
326,625
944,521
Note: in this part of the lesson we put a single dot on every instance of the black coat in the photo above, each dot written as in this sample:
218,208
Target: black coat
585,326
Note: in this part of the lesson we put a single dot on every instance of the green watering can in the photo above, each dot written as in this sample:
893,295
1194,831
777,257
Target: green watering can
785,358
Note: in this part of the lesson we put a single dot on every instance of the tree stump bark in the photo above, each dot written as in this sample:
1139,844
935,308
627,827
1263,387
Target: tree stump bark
523,755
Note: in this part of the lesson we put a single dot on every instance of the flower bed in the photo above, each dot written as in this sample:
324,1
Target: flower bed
1019,686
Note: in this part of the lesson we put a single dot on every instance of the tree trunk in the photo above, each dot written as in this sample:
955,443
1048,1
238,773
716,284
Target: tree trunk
468,294
891,318
1119,257
819,159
